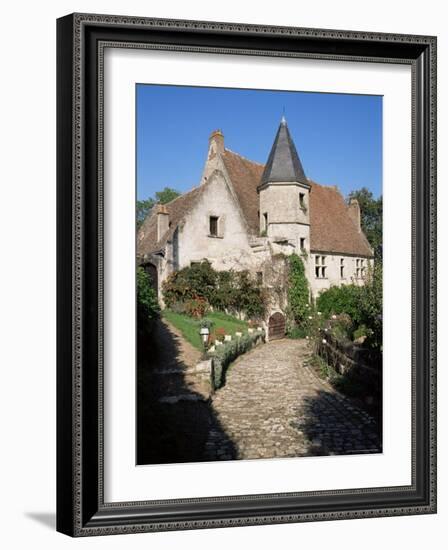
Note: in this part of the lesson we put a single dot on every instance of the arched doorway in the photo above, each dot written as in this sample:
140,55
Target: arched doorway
276,326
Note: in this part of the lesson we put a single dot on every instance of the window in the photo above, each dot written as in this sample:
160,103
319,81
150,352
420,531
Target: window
360,268
302,244
214,226
320,267
265,221
302,201
259,277
324,267
341,267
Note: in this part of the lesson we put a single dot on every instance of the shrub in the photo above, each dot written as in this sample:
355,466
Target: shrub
196,307
147,305
370,305
196,281
218,334
298,291
361,332
339,299
196,287
296,332
363,304
249,296
178,307
225,296
229,351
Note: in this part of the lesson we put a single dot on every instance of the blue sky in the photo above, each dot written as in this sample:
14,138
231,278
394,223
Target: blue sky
338,136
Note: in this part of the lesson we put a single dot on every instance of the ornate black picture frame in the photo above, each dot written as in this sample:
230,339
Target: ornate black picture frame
81,509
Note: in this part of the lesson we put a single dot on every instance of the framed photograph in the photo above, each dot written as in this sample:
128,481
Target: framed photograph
246,274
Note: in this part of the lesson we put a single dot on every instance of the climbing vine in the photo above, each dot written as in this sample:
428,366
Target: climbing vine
298,289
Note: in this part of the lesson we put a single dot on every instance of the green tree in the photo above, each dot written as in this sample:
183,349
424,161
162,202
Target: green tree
147,304
143,207
298,290
166,195
371,218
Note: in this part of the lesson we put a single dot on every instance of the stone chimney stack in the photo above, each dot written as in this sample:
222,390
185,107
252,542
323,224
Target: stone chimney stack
163,221
215,149
355,212
215,143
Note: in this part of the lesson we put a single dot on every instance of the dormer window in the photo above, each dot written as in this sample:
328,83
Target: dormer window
213,226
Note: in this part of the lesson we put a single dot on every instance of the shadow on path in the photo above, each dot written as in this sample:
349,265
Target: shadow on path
174,413
334,425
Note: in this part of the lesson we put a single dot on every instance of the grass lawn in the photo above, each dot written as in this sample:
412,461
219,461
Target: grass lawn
189,327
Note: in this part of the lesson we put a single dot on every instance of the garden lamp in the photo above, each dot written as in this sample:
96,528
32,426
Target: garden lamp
204,332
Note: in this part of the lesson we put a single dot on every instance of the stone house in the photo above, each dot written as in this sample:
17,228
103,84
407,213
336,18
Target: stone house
246,215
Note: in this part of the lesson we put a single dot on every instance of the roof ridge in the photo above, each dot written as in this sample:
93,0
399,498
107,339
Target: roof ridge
182,195
243,157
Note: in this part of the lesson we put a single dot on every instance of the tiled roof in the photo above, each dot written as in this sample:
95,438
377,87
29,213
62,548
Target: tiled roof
147,235
331,228
245,176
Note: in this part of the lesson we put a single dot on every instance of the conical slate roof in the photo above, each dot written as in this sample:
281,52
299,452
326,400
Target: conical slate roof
283,163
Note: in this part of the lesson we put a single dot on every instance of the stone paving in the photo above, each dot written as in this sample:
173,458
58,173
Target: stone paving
273,405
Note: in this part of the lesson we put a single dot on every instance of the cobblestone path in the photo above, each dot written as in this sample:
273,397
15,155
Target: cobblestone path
273,405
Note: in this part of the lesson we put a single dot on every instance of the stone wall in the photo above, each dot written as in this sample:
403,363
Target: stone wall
354,362
333,270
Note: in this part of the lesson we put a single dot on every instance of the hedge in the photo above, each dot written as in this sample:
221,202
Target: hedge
229,351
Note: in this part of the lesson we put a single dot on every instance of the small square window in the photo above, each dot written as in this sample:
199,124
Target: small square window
214,226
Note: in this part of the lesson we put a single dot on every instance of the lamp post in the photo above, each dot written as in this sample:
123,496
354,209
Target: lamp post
205,333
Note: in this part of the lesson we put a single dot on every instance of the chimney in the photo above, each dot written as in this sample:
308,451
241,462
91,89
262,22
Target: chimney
215,143
163,221
215,148
355,212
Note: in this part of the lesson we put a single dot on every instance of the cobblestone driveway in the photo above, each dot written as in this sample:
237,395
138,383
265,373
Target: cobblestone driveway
273,405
